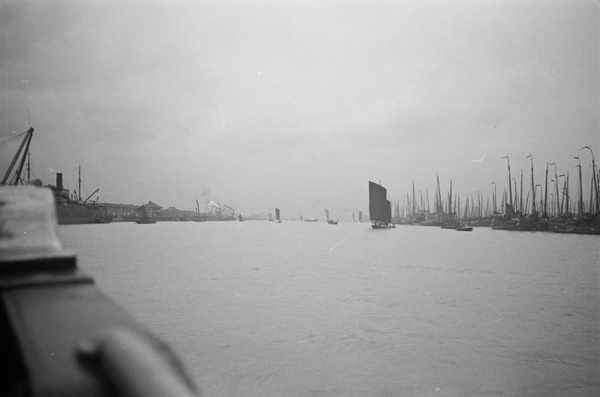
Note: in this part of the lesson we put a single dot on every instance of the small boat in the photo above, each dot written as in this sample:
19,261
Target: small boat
330,221
380,209
144,221
464,228
277,215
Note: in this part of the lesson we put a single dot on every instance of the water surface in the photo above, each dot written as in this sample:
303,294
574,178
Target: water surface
310,309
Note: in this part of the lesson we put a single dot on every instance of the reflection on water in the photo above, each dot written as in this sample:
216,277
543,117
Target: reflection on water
310,309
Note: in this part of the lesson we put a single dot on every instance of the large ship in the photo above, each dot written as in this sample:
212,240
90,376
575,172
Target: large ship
72,210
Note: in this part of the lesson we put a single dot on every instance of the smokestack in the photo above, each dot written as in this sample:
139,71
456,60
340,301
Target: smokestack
59,184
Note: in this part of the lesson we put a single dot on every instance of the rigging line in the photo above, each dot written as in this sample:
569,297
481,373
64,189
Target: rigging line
13,138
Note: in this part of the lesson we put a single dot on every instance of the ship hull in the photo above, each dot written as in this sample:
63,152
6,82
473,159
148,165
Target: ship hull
77,214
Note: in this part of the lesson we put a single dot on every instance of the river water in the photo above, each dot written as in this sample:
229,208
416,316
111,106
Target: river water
309,309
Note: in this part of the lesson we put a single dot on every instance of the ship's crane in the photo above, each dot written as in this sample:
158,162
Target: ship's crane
95,191
22,155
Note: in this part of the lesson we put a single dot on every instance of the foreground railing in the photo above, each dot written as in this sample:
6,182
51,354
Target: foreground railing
60,335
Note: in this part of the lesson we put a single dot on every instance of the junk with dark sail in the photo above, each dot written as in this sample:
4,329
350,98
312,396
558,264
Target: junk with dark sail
380,210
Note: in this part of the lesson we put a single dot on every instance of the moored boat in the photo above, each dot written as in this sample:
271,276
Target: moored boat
72,210
145,221
587,225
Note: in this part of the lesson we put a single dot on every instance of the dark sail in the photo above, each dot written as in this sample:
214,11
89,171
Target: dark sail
388,211
277,214
380,209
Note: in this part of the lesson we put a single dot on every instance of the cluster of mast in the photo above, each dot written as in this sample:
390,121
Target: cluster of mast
555,200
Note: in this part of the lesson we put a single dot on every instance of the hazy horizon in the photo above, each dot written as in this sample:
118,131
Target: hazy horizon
298,105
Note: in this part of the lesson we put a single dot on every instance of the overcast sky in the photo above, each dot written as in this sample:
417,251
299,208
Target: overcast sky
298,105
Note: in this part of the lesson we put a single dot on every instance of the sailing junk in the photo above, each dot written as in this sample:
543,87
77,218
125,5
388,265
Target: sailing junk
277,215
329,221
380,209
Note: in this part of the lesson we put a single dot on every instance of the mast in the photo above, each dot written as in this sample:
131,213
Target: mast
450,200
516,192
580,189
545,213
566,198
556,188
79,183
594,182
413,199
532,187
438,196
509,181
521,195
494,199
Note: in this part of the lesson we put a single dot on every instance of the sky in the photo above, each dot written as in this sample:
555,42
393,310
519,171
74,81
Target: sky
298,104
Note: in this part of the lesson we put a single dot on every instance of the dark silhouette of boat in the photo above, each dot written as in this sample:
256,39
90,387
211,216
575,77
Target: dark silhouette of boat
330,221
380,209
277,215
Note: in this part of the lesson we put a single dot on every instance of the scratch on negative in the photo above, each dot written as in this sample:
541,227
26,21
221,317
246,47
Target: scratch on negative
501,316
331,249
